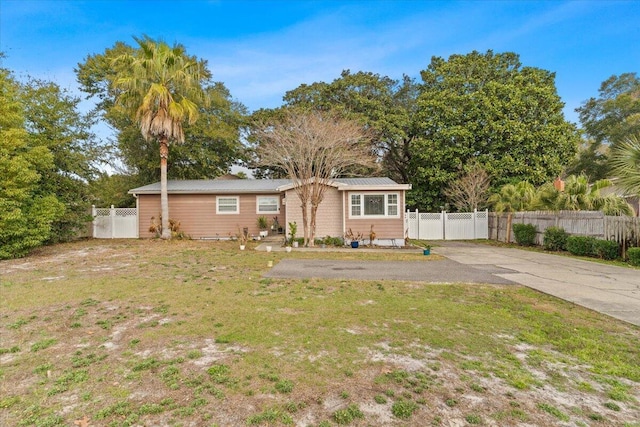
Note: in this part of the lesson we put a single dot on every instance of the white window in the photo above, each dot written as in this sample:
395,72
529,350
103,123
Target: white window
227,205
268,204
374,205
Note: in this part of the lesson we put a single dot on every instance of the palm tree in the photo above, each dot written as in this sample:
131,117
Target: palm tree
513,198
578,194
625,164
162,88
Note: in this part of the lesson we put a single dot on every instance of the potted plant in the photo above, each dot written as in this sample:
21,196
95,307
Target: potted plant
353,238
263,225
426,250
293,229
242,237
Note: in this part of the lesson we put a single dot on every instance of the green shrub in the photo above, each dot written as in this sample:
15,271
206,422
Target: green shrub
555,239
606,249
634,256
581,245
525,234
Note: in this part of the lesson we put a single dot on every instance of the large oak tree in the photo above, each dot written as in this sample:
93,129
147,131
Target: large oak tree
487,108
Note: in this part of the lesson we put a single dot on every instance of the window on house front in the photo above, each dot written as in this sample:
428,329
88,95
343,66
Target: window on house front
227,205
374,205
270,204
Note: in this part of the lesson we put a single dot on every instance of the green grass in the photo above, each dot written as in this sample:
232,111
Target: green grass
155,332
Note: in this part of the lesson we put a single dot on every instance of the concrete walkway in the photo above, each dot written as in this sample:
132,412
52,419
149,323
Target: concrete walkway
611,290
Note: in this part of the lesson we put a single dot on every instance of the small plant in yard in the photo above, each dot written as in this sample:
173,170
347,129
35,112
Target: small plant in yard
347,415
555,239
525,234
404,409
550,409
634,256
606,249
612,405
293,230
473,419
581,245
380,399
284,386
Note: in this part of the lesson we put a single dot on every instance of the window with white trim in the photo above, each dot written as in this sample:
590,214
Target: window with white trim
374,205
227,205
267,204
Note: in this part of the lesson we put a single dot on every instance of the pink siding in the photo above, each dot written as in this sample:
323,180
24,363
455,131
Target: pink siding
198,218
328,218
197,215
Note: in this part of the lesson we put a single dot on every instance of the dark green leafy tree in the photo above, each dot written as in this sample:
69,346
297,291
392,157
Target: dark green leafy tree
53,121
384,106
487,108
606,121
26,212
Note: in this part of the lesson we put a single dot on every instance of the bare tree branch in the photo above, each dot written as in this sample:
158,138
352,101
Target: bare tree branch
313,149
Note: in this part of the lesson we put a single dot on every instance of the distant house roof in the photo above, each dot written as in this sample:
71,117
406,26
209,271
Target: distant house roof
235,186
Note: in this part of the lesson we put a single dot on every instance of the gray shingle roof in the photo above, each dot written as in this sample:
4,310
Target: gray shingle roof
245,185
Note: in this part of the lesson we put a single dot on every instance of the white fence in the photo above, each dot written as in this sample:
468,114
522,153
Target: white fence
447,226
115,223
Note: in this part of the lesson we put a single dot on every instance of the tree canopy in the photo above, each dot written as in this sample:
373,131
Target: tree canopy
162,88
488,108
212,144
607,120
383,105
41,196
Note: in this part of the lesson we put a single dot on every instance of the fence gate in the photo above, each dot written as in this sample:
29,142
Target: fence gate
115,223
447,226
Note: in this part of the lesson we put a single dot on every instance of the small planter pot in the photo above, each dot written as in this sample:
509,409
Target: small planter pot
269,248
426,252
242,247
355,244
264,233
295,244
287,248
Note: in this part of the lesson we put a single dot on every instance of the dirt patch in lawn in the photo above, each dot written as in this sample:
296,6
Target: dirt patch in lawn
192,334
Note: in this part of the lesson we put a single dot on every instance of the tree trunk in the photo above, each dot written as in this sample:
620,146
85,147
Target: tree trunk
305,223
312,225
164,196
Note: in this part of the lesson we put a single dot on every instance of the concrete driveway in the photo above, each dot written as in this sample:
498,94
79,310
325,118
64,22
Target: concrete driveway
611,290
614,291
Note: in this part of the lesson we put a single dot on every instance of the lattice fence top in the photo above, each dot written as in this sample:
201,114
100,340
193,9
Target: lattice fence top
123,212
431,216
457,216
126,211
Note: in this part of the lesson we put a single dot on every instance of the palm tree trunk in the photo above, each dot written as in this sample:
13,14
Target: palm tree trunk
164,196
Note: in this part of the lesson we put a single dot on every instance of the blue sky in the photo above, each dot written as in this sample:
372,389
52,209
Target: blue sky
261,49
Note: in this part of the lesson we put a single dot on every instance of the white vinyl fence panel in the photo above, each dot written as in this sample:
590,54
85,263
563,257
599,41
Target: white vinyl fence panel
447,226
115,223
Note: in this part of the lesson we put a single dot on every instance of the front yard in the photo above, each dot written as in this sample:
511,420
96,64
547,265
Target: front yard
188,333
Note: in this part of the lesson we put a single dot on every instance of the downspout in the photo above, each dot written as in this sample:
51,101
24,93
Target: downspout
344,213
137,216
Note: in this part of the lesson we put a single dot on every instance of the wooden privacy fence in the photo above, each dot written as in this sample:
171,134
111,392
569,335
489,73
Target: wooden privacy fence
115,223
447,225
622,229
